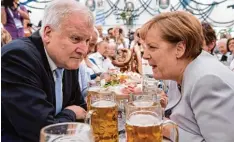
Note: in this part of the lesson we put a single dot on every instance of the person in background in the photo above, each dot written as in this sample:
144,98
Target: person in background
100,31
119,38
137,52
112,49
110,33
86,68
100,59
12,17
84,78
230,46
27,28
210,37
226,57
203,110
39,73
5,36
92,70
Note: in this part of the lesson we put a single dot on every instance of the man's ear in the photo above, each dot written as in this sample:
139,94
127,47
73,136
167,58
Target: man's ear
47,34
180,49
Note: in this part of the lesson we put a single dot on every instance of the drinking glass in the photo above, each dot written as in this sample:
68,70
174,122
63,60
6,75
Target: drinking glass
144,123
103,116
92,91
67,132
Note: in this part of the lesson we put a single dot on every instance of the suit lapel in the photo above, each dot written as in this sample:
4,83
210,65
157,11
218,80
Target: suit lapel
36,39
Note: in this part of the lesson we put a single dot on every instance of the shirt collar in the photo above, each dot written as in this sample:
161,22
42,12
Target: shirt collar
99,55
51,62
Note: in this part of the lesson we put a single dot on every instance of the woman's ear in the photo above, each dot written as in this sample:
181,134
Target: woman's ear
180,49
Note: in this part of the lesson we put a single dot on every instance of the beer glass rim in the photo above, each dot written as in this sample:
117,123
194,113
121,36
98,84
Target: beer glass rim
130,104
60,124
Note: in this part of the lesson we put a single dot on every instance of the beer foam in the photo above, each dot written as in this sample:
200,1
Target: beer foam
104,103
72,138
143,120
94,88
143,103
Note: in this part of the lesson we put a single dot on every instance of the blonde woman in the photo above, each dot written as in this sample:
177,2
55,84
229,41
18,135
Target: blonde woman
204,109
5,37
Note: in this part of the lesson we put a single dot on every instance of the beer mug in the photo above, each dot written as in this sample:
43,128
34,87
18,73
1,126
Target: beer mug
153,95
144,123
67,132
103,116
92,91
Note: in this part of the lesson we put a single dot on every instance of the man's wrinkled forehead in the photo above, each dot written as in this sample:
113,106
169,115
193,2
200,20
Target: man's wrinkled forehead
80,30
79,25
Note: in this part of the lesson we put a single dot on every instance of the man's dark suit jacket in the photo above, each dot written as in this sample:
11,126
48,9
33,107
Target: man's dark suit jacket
28,91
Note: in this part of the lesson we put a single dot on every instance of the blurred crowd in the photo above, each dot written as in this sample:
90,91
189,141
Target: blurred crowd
120,49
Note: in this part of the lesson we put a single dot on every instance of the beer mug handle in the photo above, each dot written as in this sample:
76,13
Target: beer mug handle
88,117
173,133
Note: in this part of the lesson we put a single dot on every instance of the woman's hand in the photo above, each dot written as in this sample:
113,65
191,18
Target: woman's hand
164,99
15,5
21,12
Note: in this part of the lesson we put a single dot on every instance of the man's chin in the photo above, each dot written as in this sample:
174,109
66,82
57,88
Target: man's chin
73,66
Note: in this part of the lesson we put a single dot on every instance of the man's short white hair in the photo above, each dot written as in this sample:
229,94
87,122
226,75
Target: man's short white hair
112,43
222,41
57,11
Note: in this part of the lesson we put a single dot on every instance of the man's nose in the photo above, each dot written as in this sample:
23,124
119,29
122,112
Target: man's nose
82,47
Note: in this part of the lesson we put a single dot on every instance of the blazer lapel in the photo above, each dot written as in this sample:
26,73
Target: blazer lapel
174,96
36,39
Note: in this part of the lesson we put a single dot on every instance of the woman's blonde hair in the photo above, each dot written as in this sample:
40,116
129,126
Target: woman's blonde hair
5,37
175,27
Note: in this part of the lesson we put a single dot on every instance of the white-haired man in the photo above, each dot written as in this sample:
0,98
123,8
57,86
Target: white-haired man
100,58
226,56
39,74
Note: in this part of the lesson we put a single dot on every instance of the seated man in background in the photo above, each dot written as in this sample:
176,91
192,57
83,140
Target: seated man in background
112,49
226,56
100,57
87,70
39,73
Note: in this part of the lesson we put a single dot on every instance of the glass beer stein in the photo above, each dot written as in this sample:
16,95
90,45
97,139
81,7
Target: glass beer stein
92,91
144,123
103,116
67,132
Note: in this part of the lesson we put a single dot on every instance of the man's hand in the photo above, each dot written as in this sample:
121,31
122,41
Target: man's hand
79,111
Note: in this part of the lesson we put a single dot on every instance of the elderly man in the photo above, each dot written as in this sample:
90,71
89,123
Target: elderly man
112,49
39,73
100,57
226,56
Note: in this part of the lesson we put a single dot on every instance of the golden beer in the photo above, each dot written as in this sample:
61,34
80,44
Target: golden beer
104,121
143,127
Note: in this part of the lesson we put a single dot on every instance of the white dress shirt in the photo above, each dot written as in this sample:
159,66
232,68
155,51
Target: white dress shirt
53,66
100,62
